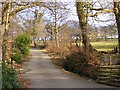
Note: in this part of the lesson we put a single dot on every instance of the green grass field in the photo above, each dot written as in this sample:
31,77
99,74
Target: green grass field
105,45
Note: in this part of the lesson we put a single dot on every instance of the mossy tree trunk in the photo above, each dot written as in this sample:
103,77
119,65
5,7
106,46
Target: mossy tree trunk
117,15
6,47
82,16
56,26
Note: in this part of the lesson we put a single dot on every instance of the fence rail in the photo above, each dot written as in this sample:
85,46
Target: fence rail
109,75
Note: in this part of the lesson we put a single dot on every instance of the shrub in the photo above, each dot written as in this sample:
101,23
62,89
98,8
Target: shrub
25,51
17,57
78,63
9,78
16,50
22,43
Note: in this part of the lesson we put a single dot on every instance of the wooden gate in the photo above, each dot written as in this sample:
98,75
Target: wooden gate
109,75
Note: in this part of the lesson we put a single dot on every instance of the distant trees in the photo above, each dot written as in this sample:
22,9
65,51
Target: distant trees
37,26
76,33
93,34
108,32
65,35
104,31
57,13
49,29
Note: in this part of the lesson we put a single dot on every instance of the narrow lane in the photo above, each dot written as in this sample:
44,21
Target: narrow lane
42,73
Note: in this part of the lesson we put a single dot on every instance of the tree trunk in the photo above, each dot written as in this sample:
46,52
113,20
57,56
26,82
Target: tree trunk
117,15
51,36
6,48
56,36
56,27
83,25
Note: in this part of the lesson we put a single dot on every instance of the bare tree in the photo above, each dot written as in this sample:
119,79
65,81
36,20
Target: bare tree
49,29
58,13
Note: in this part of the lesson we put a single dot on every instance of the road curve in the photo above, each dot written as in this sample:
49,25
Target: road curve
42,73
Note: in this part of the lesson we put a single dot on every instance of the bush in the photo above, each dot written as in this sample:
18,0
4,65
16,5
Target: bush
9,78
78,63
16,50
25,51
17,57
22,43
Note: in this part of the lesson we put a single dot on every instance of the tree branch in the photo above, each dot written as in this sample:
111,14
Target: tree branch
20,8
